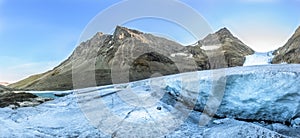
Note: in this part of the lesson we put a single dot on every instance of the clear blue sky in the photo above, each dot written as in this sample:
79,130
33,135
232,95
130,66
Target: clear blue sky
36,35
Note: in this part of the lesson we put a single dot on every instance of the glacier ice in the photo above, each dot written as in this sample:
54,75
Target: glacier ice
58,118
268,93
238,129
259,58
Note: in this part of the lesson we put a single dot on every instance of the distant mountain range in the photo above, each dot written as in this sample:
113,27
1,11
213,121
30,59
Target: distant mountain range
3,88
145,55
4,83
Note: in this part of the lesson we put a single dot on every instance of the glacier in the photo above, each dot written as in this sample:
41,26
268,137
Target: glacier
258,101
259,58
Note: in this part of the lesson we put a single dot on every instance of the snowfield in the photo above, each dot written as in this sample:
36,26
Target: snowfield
256,101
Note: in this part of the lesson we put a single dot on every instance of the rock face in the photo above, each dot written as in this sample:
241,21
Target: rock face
16,100
139,54
130,55
290,52
223,42
8,98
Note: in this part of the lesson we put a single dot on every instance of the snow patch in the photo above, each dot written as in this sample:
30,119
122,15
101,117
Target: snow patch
211,47
182,55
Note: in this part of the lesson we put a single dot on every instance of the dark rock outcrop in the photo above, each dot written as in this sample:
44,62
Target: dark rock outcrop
290,52
22,99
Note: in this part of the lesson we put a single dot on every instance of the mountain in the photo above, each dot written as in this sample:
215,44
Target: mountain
4,83
233,49
3,88
290,52
145,54
130,55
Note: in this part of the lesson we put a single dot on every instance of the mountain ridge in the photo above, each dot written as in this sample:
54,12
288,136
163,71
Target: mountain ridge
4,83
150,54
289,53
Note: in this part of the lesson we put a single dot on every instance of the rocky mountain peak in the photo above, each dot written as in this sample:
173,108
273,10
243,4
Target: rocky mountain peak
123,32
96,37
224,32
217,37
99,34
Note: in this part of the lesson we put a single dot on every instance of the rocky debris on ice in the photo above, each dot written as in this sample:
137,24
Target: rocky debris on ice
20,99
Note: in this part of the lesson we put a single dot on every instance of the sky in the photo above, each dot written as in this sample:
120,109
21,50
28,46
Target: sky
36,35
